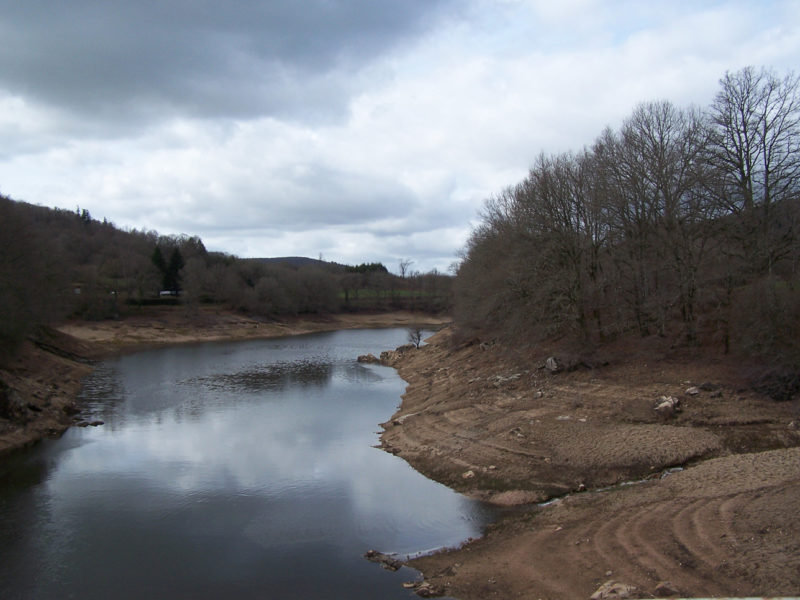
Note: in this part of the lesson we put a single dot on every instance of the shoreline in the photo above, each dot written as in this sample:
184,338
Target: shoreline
165,327
472,418
40,385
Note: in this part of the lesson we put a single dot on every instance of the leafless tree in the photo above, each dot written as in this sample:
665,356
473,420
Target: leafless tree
415,334
663,149
661,227
404,265
755,149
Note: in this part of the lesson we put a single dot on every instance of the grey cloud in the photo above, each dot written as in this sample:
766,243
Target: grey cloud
122,59
304,197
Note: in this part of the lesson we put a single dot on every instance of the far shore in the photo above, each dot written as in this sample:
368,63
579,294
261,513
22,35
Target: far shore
175,325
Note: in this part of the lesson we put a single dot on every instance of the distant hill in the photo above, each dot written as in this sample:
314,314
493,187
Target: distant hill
296,262
299,261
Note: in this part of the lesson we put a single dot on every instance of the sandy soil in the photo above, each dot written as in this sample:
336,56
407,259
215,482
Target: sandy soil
727,524
38,387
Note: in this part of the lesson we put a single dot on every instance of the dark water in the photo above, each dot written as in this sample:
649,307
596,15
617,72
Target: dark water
242,470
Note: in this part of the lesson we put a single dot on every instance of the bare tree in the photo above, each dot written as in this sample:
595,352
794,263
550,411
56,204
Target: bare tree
682,221
405,264
755,149
33,275
415,334
664,145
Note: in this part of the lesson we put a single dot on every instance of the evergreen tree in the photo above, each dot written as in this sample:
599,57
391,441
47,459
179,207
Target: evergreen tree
158,261
172,274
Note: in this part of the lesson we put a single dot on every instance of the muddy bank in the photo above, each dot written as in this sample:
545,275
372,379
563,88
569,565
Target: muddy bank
156,326
40,384
38,388
725,525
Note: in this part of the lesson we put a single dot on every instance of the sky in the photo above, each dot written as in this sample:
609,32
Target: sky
355,130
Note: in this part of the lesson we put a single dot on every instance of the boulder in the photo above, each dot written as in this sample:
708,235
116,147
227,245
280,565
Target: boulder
385,560
429,590
553,365
667,406
500,380
612,590
369,359
666,590
389,357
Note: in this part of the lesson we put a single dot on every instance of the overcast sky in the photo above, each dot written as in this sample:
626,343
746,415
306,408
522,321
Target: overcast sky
362,130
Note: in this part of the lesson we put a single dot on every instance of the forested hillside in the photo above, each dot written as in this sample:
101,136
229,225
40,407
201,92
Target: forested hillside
683,224
57,263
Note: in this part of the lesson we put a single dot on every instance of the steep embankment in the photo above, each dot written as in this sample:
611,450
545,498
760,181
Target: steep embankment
474,420
38,387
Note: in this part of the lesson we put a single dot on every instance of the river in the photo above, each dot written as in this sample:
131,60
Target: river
226,470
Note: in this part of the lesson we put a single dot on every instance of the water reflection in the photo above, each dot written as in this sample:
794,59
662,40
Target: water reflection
272,377
235,469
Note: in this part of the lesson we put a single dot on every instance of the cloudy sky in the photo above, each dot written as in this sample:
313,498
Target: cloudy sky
362,130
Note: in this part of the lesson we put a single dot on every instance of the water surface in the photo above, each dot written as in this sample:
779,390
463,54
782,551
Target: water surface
240,470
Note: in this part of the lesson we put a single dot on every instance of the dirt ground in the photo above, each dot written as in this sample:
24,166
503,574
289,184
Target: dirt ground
39,385
728,523
38,388
155,326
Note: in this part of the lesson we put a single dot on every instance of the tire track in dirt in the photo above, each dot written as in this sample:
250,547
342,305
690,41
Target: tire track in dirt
705,542
692,527
625,532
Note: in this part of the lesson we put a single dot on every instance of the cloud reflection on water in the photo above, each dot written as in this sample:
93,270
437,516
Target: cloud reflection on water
301,428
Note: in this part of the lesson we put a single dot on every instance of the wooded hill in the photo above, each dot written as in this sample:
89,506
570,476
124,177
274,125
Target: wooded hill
683,223
57,263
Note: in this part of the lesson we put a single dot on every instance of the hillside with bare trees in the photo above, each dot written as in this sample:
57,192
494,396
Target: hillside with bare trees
682,224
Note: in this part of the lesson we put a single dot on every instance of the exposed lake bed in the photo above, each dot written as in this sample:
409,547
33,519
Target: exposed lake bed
486,426
246,468
497,424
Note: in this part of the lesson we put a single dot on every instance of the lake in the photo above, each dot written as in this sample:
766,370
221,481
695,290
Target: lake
227,470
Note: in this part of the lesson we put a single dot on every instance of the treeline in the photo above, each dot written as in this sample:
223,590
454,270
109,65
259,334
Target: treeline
683,223
57,263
